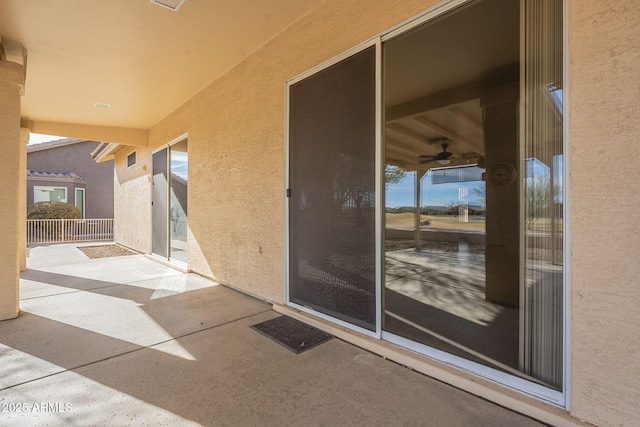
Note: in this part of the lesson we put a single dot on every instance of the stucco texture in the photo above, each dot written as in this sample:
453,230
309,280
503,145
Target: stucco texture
237,179
132,199
605,212
10,201
237,149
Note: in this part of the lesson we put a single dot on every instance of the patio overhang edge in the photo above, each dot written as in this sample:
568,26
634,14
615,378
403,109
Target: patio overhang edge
111,134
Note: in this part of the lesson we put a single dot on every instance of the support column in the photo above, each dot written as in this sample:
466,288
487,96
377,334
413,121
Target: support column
417,235
502,252
11,81
22,204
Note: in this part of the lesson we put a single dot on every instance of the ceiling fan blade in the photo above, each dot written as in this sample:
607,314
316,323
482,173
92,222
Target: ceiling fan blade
422,162
426,156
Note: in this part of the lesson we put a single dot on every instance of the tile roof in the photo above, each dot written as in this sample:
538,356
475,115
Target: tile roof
54,144
69,175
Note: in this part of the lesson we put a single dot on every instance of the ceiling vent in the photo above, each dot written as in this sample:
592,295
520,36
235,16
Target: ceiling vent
169,4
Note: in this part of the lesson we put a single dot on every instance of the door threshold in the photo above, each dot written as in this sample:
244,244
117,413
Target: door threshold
176,265
479,386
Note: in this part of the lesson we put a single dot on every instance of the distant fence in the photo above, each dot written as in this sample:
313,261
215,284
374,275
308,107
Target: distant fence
41,231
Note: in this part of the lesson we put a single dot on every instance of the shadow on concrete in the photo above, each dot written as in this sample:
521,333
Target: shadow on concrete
157,352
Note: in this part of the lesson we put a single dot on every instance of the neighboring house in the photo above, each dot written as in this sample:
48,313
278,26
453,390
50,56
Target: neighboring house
280,159
63,171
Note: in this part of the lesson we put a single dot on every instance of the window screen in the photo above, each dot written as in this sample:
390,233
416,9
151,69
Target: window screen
332,181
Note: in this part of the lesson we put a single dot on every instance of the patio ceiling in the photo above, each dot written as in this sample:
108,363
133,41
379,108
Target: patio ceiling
143,60
423,132
436,76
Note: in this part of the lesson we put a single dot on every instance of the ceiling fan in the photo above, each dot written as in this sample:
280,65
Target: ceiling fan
443,157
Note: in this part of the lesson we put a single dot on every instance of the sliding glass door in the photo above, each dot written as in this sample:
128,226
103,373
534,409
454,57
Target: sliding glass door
178,197
169,202
473,205
470,254
159,205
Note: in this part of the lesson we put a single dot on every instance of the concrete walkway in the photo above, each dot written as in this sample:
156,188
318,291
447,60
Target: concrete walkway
129,342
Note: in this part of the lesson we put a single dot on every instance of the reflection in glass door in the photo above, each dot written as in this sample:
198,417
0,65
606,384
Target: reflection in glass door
178,196
473,203
169,202
159,207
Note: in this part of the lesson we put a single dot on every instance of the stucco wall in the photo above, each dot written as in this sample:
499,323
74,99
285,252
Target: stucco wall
236,144
132,198
9,200
605,210
237,169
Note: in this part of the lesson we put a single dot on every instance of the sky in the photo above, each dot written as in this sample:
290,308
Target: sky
180,164
37,138
402,193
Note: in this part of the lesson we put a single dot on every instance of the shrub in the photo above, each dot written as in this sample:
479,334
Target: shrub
53,210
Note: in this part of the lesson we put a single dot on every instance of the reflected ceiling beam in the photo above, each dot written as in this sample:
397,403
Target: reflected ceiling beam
118,135
462,115
393,152
433,102
500,77
398,147
411,138
463,145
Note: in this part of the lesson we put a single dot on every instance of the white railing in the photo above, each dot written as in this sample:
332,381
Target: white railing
40,231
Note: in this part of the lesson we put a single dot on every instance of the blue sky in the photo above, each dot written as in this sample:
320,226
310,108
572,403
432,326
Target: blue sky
180,164
402,193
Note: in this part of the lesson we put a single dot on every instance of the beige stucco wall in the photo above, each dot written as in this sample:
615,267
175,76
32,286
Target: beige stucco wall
11,76
132,198
22,205
237,169
605,210
236,144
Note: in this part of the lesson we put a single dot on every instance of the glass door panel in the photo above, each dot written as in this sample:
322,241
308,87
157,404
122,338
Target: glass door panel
159,207
470,264
178,196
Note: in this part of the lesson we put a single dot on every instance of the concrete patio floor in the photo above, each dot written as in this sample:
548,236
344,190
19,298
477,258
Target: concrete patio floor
129,342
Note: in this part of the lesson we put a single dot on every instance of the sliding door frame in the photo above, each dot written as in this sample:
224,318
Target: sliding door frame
168,199
530,388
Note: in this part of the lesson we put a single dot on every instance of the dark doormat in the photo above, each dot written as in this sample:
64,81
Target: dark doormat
291,333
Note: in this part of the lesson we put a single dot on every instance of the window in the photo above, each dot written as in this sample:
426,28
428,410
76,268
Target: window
131,159
49,194
80,200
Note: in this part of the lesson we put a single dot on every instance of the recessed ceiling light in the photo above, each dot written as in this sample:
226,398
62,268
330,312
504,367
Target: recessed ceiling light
169,4
101,105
